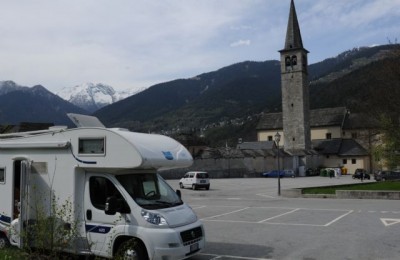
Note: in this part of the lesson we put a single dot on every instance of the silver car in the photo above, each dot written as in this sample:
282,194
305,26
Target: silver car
195,180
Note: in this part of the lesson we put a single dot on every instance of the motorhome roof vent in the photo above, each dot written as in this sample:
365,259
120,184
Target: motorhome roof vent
85,121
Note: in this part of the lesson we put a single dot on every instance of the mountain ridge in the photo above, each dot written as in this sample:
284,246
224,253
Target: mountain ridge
36,105
235,91
233,97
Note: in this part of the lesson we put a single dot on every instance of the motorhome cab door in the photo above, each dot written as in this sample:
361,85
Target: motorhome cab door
98,224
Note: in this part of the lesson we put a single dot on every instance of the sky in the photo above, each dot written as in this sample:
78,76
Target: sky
134,44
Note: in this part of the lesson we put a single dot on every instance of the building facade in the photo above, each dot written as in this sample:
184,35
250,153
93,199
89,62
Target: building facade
338,138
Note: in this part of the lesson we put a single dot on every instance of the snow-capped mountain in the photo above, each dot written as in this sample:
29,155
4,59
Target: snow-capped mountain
92,97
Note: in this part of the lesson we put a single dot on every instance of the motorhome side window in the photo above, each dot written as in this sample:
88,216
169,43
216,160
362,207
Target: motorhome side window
100,189
91,145
2,175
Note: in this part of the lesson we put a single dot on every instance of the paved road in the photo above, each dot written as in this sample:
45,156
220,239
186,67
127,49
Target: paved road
245,219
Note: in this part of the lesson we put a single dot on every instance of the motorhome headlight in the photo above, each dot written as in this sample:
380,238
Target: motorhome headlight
154,218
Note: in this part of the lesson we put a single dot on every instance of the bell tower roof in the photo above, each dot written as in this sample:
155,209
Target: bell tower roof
293,35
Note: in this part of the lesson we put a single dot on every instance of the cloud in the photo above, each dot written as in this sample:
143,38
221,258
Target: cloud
69,42
240,43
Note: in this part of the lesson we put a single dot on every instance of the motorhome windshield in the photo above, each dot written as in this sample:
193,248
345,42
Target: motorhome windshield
149,190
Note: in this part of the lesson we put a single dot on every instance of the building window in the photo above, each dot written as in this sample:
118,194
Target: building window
294,60
354,135
2,175
353,161
287,61
328,136
270,138
344,161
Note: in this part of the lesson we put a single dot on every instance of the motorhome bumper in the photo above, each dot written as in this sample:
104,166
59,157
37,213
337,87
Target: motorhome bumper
180,252
174,243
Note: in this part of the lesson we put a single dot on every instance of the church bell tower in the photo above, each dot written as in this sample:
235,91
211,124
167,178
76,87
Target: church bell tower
295,89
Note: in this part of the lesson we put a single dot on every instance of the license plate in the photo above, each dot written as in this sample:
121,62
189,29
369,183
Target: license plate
202,181
194,247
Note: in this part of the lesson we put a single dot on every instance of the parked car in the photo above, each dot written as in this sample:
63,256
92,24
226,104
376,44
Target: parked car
387,175
361,174
195,180
282,173
273,174
312,172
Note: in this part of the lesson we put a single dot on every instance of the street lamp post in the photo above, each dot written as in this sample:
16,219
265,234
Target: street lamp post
277,140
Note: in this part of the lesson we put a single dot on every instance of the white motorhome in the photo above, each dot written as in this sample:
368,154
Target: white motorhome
108,177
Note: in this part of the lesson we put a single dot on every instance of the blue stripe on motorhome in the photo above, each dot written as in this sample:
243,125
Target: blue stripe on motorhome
97,229
5,219
86,162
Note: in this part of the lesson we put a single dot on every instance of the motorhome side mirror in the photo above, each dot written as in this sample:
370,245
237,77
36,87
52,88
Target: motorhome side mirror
111,206
178,192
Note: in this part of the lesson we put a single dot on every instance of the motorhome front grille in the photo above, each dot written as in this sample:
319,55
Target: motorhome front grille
191,236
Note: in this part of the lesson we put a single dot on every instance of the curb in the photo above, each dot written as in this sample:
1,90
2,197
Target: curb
344,194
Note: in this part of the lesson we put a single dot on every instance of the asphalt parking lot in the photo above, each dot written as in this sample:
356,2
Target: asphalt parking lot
245,219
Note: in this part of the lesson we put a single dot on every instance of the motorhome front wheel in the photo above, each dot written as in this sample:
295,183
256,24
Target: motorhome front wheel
3,241
131,250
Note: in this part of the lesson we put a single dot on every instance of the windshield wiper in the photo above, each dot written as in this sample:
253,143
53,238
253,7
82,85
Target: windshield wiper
160,204
169,203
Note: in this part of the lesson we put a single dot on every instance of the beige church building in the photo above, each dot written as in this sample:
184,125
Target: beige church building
338,138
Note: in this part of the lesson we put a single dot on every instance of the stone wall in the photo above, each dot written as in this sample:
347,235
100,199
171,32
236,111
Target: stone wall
245,167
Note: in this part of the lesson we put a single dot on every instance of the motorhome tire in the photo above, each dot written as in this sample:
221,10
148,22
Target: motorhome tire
131,250
3,241
194,186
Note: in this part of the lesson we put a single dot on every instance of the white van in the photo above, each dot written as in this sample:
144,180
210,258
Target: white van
195,180
106,178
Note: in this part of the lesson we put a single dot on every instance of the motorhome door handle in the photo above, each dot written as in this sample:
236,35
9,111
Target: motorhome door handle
88,214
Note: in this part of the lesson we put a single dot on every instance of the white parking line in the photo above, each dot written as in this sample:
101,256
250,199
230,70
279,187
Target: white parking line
336,219
277,216
268,220
216,216
390,221
267,223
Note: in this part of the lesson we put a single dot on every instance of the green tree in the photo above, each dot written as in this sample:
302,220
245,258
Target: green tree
382,103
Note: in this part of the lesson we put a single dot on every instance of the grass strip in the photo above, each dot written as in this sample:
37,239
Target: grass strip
12,253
